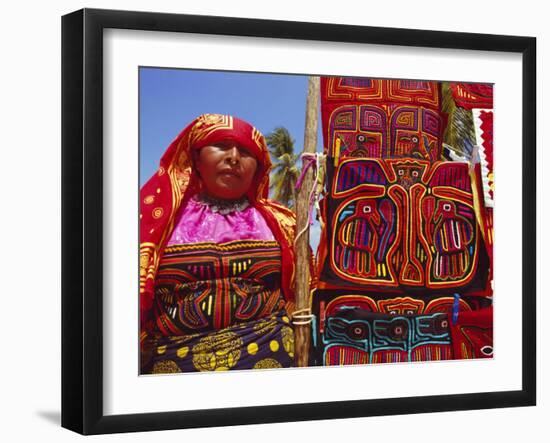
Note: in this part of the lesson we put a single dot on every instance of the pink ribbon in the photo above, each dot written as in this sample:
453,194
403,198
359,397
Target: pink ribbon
308,160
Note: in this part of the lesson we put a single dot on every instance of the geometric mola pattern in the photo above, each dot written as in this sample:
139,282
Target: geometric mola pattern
380,118
361,329
401,224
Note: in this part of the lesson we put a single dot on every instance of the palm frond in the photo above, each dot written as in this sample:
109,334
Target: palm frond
285,172
460,131
280,142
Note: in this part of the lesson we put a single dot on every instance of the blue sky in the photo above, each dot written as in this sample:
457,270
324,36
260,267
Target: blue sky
172,98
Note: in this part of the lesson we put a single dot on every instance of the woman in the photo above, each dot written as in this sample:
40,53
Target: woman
216,258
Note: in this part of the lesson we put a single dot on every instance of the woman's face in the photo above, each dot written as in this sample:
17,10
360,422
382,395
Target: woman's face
226,170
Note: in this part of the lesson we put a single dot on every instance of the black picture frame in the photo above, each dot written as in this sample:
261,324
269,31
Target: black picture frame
82,218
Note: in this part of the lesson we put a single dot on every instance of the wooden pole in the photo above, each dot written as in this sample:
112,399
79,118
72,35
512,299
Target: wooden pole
302,332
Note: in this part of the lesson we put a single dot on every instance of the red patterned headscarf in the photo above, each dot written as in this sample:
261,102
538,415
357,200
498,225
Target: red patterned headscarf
176,181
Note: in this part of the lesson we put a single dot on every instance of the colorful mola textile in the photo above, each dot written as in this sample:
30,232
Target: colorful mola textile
405,255
473,95
356,336
378,118
210,286
361,329
485,129
402,226
484,135
472,334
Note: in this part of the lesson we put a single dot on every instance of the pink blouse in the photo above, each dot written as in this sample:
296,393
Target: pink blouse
198,223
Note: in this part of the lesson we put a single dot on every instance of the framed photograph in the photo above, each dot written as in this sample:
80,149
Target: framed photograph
269,221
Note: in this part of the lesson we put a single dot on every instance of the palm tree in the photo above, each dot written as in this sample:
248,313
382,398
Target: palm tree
285,172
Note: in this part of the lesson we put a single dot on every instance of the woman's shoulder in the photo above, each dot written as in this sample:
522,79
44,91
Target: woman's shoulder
283,216
279,209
